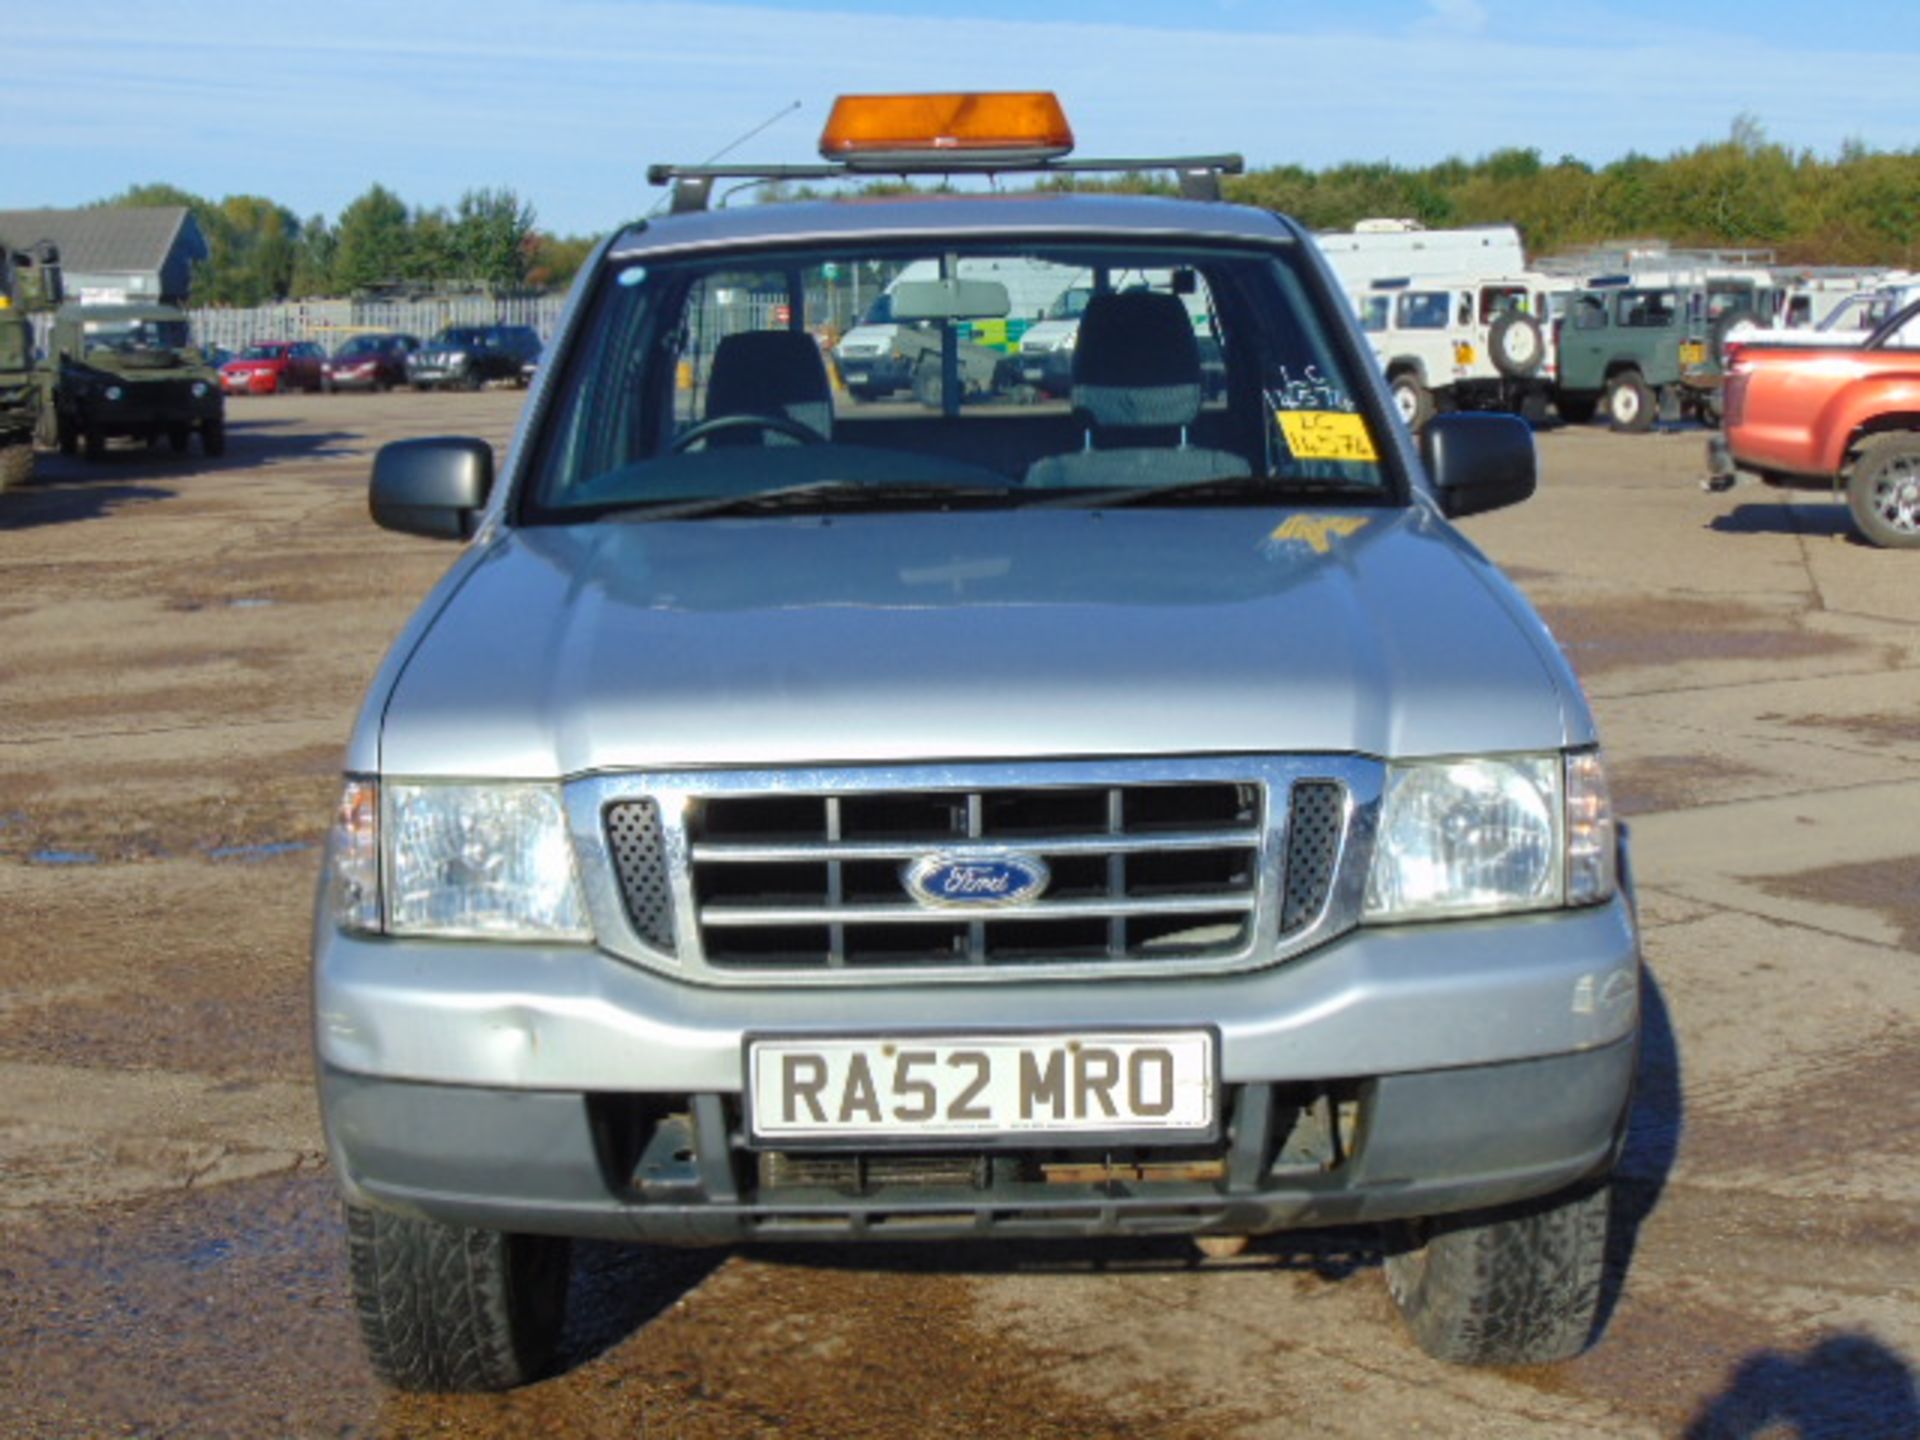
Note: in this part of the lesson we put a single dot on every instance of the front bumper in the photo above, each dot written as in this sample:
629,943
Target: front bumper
1048,370
138,415
874,374
439,374
563,1090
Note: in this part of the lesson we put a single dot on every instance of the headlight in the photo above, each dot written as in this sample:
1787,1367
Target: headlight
1469,837
474,861
199,389
114,392
458,357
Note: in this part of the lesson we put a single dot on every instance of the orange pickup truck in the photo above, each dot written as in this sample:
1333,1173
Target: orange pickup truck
1817,416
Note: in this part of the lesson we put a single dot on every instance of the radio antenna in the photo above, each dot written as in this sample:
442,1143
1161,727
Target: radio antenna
765,124
733,145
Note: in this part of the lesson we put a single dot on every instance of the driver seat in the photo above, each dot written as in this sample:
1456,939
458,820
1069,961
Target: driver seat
769,372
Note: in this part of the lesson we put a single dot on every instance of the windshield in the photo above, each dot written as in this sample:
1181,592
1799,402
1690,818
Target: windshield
360,345
137,334
458,338
263,352
718,376
1375,312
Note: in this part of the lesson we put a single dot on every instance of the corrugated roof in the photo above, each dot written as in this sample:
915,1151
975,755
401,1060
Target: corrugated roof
106,239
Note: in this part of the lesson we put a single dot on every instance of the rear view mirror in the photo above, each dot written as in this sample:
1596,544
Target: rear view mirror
434,487
951,299
1479,462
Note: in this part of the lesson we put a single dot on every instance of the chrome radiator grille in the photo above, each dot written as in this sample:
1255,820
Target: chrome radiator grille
1136,871
804,877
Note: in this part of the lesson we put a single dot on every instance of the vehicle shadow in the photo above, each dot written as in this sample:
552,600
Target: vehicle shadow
259,442
1846,1387
1652,1144
1817,520
39,503
616,1289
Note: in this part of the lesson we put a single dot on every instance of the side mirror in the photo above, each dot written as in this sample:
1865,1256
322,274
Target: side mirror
1479,462
437,486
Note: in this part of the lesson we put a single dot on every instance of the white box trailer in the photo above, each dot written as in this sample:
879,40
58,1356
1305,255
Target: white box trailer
1390,249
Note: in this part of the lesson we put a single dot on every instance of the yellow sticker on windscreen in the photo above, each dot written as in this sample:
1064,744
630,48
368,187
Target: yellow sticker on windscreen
1326,435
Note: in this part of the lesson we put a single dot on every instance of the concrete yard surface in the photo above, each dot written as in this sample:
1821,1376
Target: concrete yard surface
183,644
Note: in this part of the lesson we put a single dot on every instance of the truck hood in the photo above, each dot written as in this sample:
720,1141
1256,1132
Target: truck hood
1049,334
865,337
996,635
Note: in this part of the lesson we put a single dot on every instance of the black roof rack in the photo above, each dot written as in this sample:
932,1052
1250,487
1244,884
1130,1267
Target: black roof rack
1198,175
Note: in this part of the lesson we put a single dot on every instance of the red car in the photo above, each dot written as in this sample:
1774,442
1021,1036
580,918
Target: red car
274,366
370,362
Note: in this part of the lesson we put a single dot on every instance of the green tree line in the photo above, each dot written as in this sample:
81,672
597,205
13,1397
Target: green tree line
1860,207
259,250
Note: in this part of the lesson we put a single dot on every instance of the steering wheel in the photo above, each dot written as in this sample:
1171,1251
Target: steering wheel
716,424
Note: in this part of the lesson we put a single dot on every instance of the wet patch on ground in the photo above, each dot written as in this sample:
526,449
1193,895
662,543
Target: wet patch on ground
1648,784
226,1314
1890,888
1844,1104
1878,729
253,810
218,1313
1621,633
379,570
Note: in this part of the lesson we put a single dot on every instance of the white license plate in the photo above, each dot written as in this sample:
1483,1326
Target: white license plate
1035,372
1146,1082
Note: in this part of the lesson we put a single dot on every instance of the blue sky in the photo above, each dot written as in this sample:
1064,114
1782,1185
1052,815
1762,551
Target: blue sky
566,101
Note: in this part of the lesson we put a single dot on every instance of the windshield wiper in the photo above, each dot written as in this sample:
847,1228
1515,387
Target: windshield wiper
1212,487
799,497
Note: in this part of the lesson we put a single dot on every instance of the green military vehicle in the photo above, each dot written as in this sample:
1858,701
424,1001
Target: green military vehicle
29,279
1639,348
127,370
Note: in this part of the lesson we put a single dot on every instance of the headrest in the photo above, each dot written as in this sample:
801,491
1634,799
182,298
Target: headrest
771,372
1135,362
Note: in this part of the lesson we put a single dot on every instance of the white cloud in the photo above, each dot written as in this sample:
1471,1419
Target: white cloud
1465,16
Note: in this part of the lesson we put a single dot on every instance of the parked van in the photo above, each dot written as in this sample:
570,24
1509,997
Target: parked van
879,357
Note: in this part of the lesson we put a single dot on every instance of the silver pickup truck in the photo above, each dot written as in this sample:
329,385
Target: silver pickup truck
1135,815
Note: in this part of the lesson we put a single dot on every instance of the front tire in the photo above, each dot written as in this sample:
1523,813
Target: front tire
1412,399
446,1308
1515,1286
1883,490
94,442
1630,404
213,437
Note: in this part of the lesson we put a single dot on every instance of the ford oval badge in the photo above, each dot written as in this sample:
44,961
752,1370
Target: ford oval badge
956,882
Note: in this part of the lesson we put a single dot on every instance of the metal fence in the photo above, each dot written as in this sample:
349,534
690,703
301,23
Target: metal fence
332,321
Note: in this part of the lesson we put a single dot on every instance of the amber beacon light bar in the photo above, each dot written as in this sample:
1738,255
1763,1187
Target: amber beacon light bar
988,132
